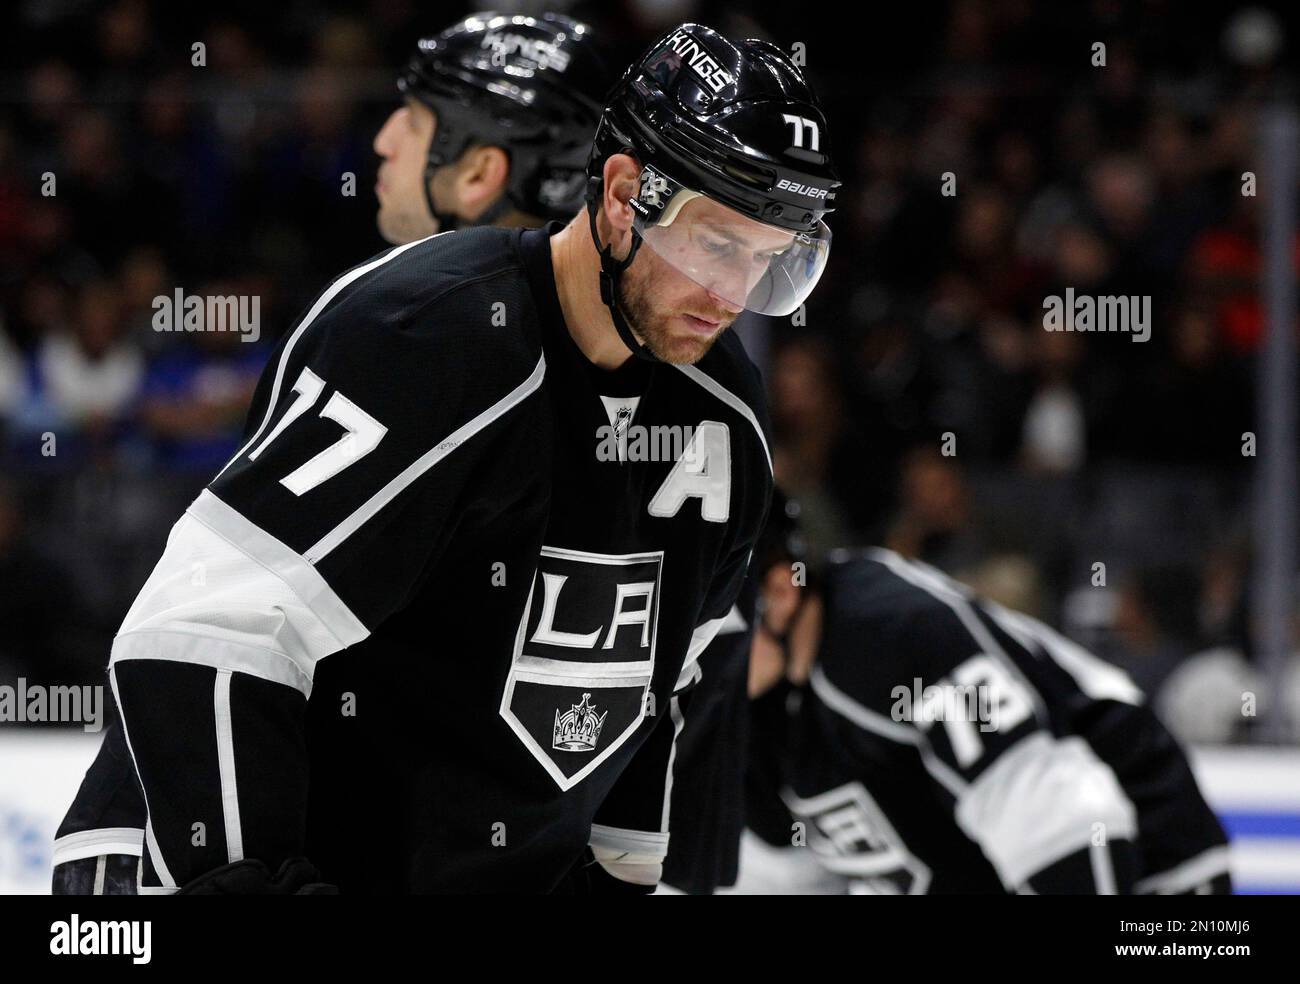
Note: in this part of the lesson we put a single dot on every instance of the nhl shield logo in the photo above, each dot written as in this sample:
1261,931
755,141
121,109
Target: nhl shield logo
584,658
578,729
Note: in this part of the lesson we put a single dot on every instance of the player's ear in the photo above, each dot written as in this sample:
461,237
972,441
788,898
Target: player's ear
481,177
621,174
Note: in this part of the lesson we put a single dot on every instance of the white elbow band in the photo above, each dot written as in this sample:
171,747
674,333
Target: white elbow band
633,856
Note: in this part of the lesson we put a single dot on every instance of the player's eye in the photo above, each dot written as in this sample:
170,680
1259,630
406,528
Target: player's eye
718,247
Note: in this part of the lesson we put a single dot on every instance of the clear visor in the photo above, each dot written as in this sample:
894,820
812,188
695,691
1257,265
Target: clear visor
747,263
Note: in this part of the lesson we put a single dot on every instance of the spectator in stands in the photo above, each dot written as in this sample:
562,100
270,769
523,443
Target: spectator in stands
1158,623
933,522
196,394
82,383
819,456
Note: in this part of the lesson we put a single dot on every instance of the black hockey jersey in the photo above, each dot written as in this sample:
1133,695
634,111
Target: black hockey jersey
946,744
426,535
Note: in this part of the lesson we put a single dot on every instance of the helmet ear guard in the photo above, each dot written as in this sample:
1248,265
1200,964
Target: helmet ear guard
437,157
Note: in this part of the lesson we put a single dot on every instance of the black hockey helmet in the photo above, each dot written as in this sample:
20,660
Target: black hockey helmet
530,85
736,123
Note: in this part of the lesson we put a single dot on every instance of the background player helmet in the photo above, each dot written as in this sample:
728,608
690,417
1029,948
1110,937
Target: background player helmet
734,122
532,86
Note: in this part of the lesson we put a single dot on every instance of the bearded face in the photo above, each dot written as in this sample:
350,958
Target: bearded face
693,274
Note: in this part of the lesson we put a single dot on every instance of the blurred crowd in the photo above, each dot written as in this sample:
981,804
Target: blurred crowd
988,161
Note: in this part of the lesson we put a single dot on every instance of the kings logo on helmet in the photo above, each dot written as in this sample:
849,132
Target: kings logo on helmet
702,63
544,53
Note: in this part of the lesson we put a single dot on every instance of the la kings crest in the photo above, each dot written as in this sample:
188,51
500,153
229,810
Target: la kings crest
584,656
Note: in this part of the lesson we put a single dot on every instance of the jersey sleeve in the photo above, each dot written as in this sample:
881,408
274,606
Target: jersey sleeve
97,846
368,437
374,428
952,677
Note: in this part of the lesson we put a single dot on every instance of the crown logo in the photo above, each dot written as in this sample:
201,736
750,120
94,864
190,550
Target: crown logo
578,728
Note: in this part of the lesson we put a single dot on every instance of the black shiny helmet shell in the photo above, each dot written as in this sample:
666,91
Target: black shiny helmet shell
533,86
735,121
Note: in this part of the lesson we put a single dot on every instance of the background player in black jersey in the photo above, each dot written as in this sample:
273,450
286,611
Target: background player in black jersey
461,150
469,438
945,744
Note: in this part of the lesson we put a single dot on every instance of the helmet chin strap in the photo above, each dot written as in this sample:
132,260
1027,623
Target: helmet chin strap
447,221
610,272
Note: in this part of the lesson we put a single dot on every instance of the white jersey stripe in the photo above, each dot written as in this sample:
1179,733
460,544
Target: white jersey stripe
92,843
731,400
376,502
845,706
277,557
940,587
155,853
630,841
1103,871
150,840
1180,878
675,710
226,767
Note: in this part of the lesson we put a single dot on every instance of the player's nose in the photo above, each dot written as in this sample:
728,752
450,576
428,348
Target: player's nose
718,301
383,145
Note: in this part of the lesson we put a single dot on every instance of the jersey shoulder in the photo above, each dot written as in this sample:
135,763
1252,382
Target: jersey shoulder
889,619
450,290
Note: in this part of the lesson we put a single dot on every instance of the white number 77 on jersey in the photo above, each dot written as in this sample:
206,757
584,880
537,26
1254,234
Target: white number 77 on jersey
363,434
